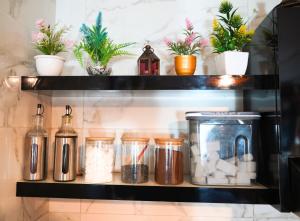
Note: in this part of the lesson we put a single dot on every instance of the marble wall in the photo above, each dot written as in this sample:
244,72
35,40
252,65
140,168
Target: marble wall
17,19
86,210
151,113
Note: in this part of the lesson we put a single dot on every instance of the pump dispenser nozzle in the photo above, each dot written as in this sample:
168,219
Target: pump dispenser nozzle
40,109
68,110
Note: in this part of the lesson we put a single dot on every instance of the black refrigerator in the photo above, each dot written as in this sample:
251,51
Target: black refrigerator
275,50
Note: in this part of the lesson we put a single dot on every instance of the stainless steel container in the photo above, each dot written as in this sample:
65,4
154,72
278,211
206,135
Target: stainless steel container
35,152
223,147
65,154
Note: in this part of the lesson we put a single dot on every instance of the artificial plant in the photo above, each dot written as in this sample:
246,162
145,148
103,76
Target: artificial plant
50,39
230,32
191,45
96,43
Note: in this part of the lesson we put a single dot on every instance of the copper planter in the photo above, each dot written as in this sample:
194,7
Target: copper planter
185,64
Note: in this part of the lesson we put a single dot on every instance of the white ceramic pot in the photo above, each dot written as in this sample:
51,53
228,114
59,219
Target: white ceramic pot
49,65
232,63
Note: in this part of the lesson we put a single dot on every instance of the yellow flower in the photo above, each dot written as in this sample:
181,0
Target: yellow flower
215,24
243,30
213,41
250,32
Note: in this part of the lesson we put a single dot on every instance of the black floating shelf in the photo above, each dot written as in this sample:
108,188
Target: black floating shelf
252,195
197,82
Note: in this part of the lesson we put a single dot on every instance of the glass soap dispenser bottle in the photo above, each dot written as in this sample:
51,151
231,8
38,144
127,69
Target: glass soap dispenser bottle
35,151
65,153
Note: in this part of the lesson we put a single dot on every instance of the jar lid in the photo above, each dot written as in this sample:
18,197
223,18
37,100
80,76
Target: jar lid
135,139
170,141
224,115
108,139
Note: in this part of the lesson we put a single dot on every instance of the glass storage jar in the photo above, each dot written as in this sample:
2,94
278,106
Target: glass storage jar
99,159
135,160
169,161
223,147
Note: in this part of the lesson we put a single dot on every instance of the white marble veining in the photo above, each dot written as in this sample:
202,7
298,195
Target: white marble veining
17,21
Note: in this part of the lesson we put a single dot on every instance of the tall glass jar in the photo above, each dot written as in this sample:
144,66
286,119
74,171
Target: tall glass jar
135,160
65,154
168,161
99,159
35,152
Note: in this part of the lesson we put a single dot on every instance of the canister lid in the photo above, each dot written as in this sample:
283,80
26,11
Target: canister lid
226,115
170,141
108,139
135,139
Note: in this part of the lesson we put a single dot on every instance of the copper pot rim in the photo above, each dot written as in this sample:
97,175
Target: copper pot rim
185,56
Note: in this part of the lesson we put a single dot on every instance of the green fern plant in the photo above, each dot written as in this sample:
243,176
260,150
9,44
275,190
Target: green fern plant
96,43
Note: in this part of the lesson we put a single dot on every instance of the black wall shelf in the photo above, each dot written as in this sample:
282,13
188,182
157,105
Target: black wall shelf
46,84
73,190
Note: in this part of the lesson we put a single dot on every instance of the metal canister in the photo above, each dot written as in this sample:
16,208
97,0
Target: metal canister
65,154
35,151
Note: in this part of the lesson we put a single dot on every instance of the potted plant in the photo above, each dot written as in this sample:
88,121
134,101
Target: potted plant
49,40
99,47
185,50
229,36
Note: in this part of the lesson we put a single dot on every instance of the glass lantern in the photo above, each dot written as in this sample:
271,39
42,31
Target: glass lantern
148,62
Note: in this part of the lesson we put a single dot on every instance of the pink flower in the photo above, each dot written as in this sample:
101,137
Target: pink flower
40,23
189,39
37,37
189,25
69,43
167,41
204,42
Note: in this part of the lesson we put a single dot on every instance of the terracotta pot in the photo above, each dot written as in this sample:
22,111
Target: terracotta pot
185,64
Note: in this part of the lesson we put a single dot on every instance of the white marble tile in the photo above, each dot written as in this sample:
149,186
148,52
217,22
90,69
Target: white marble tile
64,216
58,110
99,217
20,114
160,209
215,219
152,112
35,209
108,207
64,205
111,217
267,211
223,210
276,219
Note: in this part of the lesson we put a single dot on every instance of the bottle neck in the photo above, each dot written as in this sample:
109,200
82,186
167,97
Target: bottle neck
66,121
38,121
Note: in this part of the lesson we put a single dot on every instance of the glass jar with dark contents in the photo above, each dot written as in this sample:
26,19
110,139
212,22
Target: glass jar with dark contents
135,160
169,161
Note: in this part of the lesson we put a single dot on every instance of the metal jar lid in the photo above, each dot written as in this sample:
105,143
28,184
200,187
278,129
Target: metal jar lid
222,115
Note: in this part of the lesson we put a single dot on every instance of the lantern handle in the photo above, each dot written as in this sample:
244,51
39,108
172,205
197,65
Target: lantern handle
148,47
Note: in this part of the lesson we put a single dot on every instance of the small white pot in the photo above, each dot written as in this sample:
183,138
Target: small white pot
232,63
49,65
